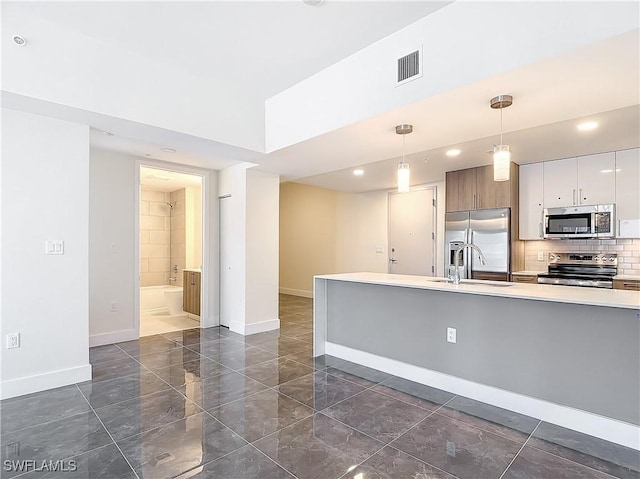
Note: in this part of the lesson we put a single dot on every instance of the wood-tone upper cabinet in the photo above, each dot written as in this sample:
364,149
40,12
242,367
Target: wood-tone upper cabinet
492,194
191,292
461,190
627,202
474,189
531,201
587,180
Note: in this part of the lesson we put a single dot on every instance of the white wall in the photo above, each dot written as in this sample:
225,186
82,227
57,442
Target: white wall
232,181
459,48
112,209
352,225
251,283
45,196
263,194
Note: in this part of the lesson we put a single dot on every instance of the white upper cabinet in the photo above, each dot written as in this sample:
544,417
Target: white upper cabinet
587,180
596,179
560,182
531,201
627,175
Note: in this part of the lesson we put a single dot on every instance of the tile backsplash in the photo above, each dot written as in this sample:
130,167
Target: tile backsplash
628,251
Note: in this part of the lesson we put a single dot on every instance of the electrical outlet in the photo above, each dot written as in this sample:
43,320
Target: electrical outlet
114,248
451,449
540,256
13,340
114,306
451,335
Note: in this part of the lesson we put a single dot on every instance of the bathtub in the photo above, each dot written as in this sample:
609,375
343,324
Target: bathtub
152,297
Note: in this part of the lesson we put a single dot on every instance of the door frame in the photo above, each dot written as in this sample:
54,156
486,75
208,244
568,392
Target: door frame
434,220
205,313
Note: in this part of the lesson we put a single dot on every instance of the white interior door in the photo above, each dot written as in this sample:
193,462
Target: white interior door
225,263
412,239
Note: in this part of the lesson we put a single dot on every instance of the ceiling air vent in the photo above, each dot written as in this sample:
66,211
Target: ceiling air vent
409,67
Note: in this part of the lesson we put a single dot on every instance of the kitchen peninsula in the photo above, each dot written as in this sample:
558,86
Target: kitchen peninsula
566,355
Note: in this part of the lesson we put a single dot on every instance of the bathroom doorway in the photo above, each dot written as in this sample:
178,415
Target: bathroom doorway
170,225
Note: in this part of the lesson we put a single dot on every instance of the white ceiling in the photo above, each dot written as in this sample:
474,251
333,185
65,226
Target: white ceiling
264,47
157,179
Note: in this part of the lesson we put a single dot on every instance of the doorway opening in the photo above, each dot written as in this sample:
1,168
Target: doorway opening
171,243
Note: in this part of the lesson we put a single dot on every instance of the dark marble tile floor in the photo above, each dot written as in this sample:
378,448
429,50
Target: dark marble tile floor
210,403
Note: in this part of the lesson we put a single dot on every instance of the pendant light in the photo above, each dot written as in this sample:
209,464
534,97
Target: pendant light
404,173
501,153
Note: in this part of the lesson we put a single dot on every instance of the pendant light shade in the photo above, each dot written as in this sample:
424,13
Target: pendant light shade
404,177
404,172
501,162
501,153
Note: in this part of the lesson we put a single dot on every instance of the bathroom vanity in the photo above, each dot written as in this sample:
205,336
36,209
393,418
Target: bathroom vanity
191,291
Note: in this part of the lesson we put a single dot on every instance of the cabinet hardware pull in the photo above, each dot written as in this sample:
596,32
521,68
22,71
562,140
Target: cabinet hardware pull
540,229
574,196
581,198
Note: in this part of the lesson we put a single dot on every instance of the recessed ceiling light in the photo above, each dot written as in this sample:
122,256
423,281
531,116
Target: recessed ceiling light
587,126
453,152
20,41
358,172
167,150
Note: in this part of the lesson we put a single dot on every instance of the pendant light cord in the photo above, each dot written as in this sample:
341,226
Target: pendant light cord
403,137
501,126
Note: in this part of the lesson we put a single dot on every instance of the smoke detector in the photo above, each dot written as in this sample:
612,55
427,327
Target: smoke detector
19,40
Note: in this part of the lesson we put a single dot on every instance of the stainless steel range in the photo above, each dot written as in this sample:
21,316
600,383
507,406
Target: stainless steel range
592,270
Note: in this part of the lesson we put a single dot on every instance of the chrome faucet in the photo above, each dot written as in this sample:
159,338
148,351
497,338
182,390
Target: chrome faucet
456,260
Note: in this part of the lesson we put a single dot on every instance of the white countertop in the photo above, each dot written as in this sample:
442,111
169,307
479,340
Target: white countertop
615,298
195,270
527,273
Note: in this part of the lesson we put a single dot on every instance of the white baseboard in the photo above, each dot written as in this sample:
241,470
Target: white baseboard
114,337
41,382
253,328
297,292
210,321
603,427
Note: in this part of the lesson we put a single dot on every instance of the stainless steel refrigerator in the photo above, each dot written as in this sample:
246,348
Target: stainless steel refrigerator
489,231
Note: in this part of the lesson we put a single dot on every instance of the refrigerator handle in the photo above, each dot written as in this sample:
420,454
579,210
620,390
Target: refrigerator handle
469,255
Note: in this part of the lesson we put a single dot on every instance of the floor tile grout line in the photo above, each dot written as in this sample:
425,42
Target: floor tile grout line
579,463
520,450
109,433
273,460
475,426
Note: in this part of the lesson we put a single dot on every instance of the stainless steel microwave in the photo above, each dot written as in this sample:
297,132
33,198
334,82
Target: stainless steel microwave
595,221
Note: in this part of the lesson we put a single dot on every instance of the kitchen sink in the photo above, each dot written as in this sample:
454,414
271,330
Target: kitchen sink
497,284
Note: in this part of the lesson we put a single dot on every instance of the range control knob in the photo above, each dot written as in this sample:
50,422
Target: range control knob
597,258
612,259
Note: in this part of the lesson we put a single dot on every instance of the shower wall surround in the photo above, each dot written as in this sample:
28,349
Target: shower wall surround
155,226
177,198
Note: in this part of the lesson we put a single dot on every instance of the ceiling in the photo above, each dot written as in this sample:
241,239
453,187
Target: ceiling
260,58
157,179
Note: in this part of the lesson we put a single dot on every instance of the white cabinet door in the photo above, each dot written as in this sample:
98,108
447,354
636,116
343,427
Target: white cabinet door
560,182
627,197
531,200
596,179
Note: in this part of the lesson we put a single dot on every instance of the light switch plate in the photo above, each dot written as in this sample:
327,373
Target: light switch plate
54,247
380,249
540,256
